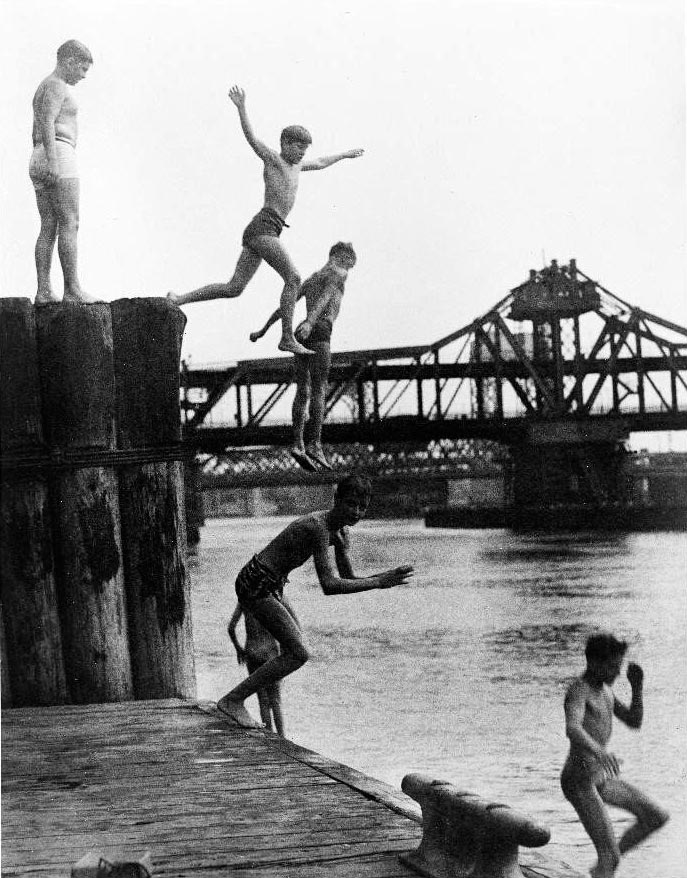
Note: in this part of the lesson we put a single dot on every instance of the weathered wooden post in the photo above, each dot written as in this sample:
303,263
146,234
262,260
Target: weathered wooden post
147,345
5,687
77,387
33,668
195,516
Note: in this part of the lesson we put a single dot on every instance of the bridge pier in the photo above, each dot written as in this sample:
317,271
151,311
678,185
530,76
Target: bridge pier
564,462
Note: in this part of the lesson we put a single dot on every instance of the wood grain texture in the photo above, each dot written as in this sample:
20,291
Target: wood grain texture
33,667
147,335
205,797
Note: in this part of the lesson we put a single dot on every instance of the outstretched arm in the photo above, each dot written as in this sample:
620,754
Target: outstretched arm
271,320
633,715
347,582
231,631
326,160
238,98
274,317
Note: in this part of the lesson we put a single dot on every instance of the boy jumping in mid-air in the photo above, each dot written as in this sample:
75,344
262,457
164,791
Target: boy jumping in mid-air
261,236
260,585
590,776
323,293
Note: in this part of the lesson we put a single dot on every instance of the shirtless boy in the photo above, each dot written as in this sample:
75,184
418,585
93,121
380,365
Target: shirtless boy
323,293
55,174
260,584
591,776
261,236
259,647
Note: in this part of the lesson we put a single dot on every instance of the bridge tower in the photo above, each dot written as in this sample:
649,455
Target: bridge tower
562,458
559,372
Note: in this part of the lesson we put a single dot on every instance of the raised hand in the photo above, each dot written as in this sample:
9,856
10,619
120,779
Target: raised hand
354,153
237,95
635,675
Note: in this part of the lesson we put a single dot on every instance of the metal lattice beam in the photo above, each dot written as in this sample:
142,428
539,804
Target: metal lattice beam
559,346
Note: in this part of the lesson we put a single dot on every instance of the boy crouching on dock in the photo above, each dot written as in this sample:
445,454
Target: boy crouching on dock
590,778
260,585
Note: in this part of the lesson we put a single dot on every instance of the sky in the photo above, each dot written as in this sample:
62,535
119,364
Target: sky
498,135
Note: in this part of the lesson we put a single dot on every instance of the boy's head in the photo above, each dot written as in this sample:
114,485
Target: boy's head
294,140
353,496
605,654
75,60
343,254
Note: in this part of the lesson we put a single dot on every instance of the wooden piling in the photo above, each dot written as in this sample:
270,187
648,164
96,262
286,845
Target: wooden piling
195,513
147,336
77,388
5,685
87,458
33,668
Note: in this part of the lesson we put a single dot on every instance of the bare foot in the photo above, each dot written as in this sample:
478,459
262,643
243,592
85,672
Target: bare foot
81,298
291,346
598,872
302,459
238,713
46,297
316,453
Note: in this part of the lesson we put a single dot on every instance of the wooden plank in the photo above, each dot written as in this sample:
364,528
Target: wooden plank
209,826
203,796
298,843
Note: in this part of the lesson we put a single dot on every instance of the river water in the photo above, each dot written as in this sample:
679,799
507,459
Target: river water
462,672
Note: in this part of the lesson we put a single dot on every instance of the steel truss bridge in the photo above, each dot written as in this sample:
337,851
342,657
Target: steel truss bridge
560,360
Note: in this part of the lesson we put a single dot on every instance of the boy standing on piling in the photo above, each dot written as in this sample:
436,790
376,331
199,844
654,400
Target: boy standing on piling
323,293
54,172
261,237
591,776
260,584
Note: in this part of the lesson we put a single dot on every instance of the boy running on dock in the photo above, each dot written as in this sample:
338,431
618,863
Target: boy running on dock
259,648
261,236
591,775
323,293
54,172
260,585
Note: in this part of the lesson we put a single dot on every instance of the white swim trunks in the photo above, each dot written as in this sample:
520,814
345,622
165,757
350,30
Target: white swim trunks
66,161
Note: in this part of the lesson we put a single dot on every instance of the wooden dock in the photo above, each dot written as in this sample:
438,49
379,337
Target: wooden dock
205,797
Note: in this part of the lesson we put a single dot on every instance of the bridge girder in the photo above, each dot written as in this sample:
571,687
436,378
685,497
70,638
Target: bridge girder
558,347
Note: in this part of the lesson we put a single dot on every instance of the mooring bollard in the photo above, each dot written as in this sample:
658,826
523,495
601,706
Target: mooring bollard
466,836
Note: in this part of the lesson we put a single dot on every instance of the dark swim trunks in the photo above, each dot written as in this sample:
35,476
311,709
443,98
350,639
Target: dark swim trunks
321,331
265,222
256,582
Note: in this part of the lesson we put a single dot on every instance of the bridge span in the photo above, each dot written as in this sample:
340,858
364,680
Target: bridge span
547,385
